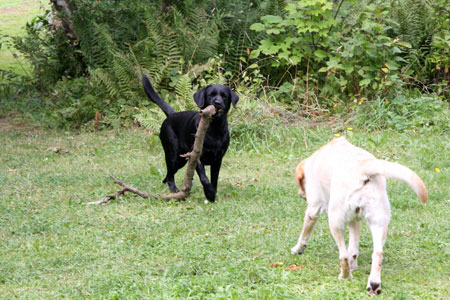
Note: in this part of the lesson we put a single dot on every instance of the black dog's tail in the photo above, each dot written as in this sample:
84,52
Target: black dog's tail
151,93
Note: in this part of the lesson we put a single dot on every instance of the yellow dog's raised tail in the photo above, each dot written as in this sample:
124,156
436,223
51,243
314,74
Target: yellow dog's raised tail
374,167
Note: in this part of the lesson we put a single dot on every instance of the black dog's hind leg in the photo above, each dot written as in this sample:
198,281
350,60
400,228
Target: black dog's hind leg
215,169
173,164
170,180
208,188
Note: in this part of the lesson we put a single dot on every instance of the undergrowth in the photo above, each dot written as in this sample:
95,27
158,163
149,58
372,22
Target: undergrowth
320,55
267,121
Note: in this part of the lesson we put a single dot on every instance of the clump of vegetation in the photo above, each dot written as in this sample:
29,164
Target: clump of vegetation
309,58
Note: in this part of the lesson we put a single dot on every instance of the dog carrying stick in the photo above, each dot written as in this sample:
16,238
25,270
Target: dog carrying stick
193,157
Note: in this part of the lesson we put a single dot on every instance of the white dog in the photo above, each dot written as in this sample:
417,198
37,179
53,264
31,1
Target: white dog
350,184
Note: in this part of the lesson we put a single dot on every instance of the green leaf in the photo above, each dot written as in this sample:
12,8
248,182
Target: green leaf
272,19
257,27
372,53
294,60
392,65
254,54
342,82
348,68
320,53
333,63
396,50
273,31
364,82
404,44
268,47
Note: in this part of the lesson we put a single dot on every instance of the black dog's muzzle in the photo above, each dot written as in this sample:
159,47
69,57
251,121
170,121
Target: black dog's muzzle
220,107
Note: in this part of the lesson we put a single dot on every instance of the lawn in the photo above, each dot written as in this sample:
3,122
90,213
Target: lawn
14,14
55,245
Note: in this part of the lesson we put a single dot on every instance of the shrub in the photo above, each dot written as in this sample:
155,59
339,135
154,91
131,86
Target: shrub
426,26
342,55
75,101
50,53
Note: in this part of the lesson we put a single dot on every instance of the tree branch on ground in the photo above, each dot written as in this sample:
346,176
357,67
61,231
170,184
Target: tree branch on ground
193,157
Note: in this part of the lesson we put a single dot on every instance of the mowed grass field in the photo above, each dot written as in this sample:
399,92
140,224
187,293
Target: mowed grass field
14,14
56,246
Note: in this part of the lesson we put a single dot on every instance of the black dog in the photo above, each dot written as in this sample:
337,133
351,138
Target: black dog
178,133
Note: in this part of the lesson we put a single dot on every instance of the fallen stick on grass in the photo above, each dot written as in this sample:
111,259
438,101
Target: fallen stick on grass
193,157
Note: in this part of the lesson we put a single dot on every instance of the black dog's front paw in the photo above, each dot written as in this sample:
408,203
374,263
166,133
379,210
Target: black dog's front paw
210,193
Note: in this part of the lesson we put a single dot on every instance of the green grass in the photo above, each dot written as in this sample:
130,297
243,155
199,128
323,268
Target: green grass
14,14
56,246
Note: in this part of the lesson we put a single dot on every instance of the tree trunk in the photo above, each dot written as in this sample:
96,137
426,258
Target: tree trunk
64,13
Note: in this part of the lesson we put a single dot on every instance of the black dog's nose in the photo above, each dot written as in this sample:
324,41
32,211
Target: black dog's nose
218,103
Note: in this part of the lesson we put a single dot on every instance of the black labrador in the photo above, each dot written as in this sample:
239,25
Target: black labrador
178,133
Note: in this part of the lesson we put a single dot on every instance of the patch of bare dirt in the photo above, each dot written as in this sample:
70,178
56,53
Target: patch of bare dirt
13,10
17,9
13,123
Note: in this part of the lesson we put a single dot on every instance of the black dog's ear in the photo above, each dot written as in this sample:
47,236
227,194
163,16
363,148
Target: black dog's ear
234,98
200,97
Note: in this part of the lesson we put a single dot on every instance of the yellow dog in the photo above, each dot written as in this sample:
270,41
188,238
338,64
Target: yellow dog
349,183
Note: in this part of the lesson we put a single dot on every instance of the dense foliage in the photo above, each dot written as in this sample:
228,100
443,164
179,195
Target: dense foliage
352,51
314,55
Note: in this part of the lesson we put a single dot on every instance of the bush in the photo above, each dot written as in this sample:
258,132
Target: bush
342,55
74,102
426,26
50,53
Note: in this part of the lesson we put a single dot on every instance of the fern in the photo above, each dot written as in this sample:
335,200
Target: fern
237,36
119,79
156,55
159,52
103,78
123,69
201,40
184,93
97,45
150,118
411,23
173,51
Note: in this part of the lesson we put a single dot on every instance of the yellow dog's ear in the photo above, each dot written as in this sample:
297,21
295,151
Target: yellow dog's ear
300,179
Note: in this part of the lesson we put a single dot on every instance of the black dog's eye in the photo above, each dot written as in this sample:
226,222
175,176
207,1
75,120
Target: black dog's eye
213,93
223,95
